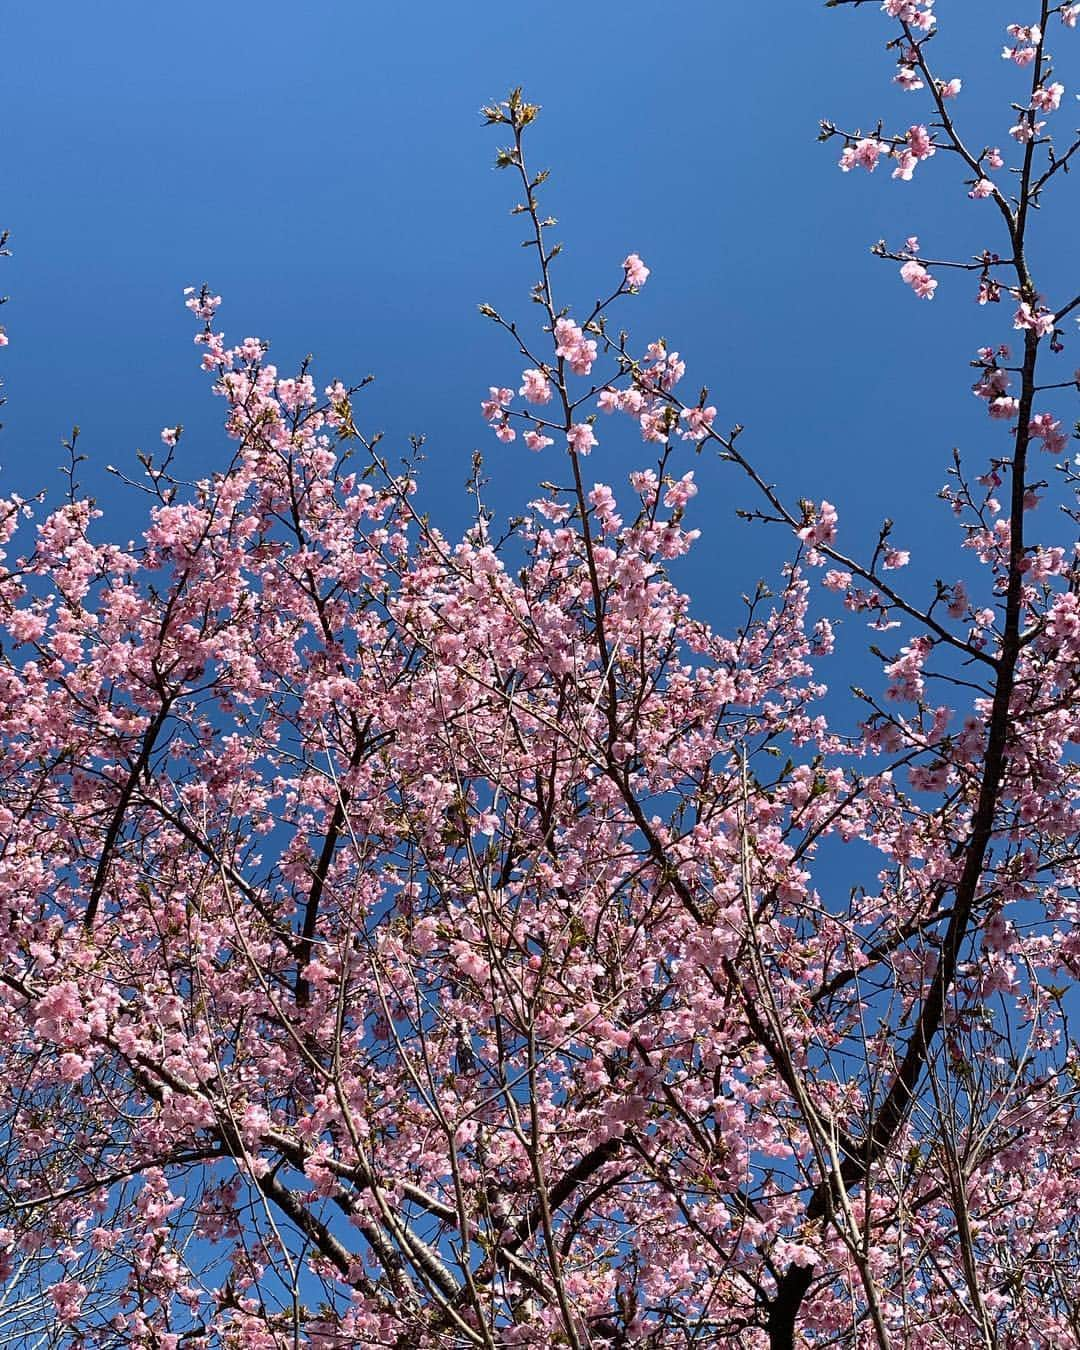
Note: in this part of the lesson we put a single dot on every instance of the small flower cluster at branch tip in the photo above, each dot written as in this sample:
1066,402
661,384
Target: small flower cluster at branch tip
636,271
202,304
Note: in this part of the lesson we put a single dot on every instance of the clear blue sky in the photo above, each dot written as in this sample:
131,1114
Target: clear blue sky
323,166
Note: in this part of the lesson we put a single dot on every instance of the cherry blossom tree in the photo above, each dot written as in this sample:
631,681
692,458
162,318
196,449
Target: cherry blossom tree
411,942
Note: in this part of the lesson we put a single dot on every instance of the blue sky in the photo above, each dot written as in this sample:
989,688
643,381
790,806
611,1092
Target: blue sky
324,168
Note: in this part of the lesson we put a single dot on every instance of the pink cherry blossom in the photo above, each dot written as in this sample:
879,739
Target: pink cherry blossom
863,154
203,305
495,404
681,492
535,387
920,146
636,271
581,438
907,77
67,1298
919,279
821,527
1048,99
1046,428
1039,319
572,344
698,422
906,164
920,142
989,292
1026,130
